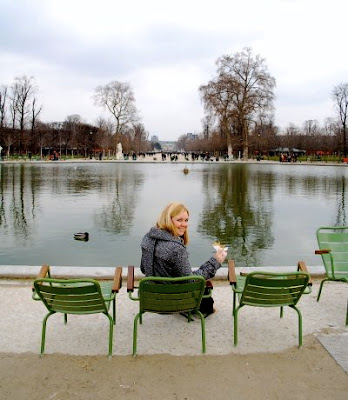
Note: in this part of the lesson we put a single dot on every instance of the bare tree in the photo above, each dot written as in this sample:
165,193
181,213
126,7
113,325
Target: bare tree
311,127
42,136
104,135
9,138
245,87
118,98
218,104
140,137
72,126
35,111
13,109
3,98
340,98
330,126
22,90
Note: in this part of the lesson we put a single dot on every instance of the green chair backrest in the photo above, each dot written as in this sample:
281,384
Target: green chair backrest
74,296
334,238
267,289
170,295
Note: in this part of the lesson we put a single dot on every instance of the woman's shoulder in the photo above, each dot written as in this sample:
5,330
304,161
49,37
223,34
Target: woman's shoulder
163,235
170,250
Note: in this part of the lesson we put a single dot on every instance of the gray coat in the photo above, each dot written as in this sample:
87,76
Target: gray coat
165,255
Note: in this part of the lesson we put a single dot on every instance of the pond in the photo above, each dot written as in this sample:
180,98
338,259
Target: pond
266,213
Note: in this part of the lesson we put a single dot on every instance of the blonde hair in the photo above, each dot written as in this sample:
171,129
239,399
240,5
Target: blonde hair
165,219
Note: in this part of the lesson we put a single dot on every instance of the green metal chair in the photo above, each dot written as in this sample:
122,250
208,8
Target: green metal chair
268,289
167,296
333,248
77,296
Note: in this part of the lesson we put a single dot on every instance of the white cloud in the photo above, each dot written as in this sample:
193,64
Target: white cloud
167,50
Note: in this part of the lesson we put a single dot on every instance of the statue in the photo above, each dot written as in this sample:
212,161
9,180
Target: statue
230,153
119,154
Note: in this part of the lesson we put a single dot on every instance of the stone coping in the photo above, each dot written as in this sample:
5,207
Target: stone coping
31,271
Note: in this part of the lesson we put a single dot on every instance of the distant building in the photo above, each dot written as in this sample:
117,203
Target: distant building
163,145
191,136
168,146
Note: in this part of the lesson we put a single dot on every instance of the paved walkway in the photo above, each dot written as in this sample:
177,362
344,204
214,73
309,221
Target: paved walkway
157,158
260,330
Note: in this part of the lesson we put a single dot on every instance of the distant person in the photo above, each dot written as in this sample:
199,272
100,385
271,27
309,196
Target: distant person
164,250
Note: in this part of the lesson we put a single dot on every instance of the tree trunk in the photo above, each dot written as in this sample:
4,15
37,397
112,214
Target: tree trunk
229,146
245,142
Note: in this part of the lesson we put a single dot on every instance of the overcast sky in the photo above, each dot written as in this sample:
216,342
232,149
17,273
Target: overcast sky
166,50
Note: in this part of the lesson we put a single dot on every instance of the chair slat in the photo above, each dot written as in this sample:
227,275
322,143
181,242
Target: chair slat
80,309
168,305
72,297
333,237
173,296
73,303
268,302
69,289
287,281
170,288
274,294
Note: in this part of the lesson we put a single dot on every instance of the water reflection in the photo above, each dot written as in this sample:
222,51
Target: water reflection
18,188
341,212
42,206
117,215
266,214
236,210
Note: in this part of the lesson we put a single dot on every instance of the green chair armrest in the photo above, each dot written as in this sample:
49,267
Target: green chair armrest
44,271
301,266
232,273
130,283
117,283
130,279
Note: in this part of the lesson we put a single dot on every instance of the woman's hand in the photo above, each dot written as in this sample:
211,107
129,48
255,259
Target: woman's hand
220,255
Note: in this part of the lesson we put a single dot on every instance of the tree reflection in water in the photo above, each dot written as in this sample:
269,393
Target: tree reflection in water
236,211
118,214
18,193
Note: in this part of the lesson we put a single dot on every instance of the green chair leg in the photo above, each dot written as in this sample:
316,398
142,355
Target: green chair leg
65,318
135,333
203,331
299,325
234,302
43,335
114,310
281,311
321,288
347,315
111,333
235,325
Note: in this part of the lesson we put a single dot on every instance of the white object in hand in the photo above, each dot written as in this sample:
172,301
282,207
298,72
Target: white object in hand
217,247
